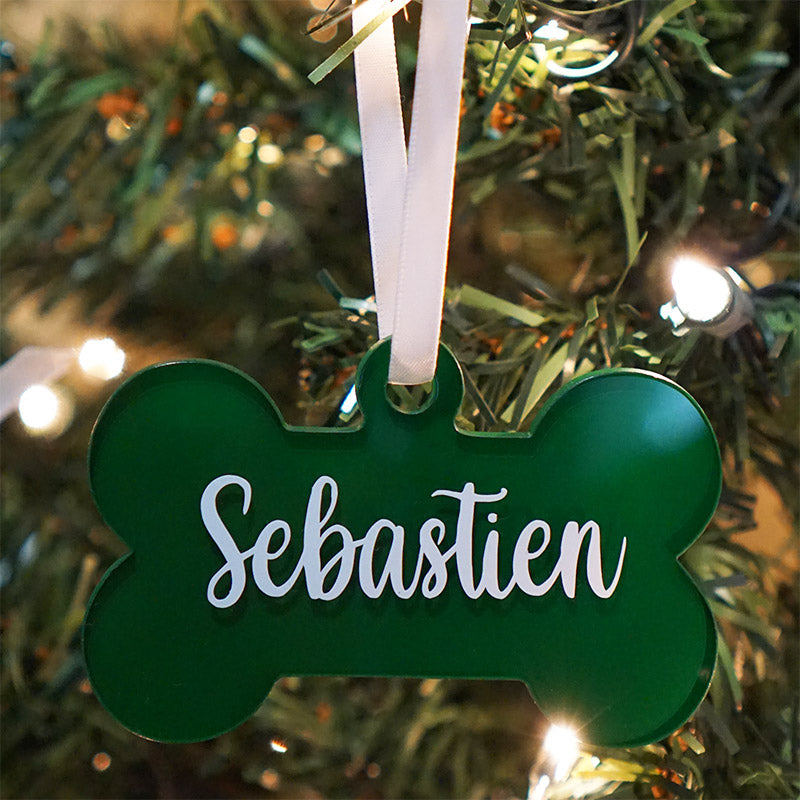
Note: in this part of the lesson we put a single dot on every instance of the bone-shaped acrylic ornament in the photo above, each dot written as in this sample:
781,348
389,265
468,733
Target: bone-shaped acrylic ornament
405,547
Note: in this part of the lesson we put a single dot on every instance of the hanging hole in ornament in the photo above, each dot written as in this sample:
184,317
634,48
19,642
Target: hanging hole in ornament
412,399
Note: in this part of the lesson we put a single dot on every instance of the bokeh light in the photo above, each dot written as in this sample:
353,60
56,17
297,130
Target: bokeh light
45,411
248,134
101,358
101,761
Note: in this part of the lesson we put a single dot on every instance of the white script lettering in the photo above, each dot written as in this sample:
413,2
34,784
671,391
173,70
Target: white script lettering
327,578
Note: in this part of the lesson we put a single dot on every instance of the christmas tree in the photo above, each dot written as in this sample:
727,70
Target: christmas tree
200,196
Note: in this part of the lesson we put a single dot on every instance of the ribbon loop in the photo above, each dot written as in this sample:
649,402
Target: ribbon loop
409,205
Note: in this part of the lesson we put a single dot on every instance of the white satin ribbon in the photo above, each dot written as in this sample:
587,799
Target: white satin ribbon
409,204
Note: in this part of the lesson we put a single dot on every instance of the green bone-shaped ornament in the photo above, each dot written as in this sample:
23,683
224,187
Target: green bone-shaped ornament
404,547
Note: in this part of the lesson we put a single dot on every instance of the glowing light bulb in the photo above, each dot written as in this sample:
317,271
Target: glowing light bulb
270,154
248,134
562,746
702,292
44,411
101,358
38,407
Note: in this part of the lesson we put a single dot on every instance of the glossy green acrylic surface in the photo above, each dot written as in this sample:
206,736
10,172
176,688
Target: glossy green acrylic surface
628,450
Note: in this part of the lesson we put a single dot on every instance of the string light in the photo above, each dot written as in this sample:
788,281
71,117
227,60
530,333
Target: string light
101,358
706,296
278,745
702,292
562,748
47,411
44,411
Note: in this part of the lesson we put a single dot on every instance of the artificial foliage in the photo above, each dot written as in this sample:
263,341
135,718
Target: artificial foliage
204,198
